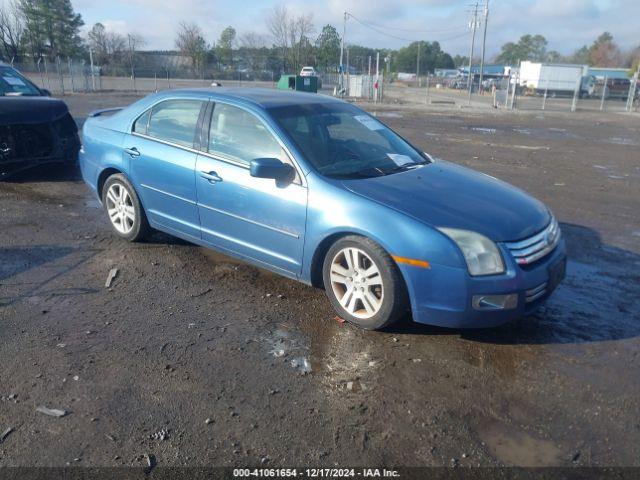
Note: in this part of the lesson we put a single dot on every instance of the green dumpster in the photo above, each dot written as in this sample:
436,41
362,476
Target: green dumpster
299,83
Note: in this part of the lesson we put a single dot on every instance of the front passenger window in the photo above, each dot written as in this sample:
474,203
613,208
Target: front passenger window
241,135
175,121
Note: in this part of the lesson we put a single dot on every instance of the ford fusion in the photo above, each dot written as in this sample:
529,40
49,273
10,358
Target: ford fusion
316,189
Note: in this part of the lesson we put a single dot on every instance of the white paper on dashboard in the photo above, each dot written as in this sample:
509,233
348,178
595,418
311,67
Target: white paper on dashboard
400,159
369,122
13,81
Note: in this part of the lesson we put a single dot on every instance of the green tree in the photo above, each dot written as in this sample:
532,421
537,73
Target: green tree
554,57
52,28
359,57
460,61
604,52
529,47
431,57
224,48
328,47
581,55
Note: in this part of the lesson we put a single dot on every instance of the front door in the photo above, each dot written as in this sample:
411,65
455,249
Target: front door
163,164
256,218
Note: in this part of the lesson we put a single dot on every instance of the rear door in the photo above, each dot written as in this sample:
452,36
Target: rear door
162,166
256,218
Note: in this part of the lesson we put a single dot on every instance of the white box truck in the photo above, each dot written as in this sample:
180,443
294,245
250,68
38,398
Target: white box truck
555,78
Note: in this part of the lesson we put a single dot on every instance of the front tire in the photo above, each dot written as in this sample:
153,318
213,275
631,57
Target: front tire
122,205
363,283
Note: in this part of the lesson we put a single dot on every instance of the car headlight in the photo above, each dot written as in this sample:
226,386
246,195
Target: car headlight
481,254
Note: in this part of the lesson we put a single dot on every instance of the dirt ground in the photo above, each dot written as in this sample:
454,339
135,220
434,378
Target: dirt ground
201,360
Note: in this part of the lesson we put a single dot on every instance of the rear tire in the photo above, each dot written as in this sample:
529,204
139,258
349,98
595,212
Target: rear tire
363,283
124,210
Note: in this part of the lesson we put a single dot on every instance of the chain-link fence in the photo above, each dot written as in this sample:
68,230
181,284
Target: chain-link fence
64,76
583,93
513,92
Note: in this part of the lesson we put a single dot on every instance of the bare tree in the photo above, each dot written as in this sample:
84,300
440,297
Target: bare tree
105,44
136,41
300,29
191,43
115,43
291,35
11,30
251,45
278,24
252,40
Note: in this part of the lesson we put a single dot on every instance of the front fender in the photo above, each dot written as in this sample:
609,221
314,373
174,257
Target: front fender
334,210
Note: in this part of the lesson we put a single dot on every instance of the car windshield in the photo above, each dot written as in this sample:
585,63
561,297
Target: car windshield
342,141
12,83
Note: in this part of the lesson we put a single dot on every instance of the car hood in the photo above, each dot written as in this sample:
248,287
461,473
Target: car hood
444,194
30,110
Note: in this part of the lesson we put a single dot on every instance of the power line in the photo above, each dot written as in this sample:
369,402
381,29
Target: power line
387,27
404,39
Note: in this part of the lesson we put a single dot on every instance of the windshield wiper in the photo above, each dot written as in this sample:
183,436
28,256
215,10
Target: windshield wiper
365,173
403,167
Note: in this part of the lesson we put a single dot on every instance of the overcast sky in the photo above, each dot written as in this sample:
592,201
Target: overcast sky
567,24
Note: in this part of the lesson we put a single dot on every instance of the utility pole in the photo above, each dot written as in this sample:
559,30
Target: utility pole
377,84
131,53
474,26
418,66
93,78
344,33
484,39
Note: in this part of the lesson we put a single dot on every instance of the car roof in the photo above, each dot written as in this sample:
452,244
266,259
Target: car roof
261,97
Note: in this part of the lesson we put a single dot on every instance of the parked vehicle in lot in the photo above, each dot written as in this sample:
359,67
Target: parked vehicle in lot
615,88
308,72
34,128
555,79
320,191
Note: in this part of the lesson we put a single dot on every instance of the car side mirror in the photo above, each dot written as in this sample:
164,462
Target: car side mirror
46,92
270,168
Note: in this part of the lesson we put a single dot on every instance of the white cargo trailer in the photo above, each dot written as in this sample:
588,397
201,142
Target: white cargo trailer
555,78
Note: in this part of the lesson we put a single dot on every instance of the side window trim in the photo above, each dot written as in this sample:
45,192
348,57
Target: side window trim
202,120
146,127
300,179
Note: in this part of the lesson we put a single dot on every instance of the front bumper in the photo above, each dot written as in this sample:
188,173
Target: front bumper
26,146
443,296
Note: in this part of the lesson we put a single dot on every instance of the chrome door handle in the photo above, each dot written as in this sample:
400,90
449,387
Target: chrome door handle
133,151
212,177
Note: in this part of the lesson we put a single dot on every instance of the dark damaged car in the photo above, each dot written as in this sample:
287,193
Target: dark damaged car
34,128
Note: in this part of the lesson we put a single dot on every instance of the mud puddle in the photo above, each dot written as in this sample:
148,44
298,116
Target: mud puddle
335,353
514,446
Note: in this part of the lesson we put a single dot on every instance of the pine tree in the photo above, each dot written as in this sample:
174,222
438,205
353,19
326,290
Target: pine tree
52,28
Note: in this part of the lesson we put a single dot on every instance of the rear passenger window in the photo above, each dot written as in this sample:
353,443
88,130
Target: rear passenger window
175,121
241,135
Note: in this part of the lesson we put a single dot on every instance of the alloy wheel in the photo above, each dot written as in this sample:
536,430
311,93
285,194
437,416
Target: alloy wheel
120,208
356,282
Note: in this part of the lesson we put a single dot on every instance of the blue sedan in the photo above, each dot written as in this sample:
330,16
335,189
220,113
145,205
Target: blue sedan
320,191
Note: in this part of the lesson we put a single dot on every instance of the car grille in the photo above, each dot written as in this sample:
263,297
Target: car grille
535,293
536,247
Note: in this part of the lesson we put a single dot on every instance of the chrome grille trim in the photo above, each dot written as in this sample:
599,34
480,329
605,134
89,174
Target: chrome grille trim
535,293
539,245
